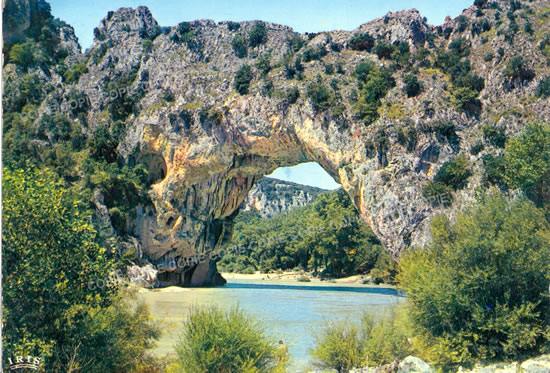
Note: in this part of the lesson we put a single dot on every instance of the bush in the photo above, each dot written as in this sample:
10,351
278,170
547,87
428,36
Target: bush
494,135
258,35
295,43
438,194
465,99
517,70
292,95
479,291
344,345
51,266
264,65
303,278
543,89
454,173
384,49
338,346
243,77
73,75
476,147
374,83
494,169
319,96
239,46
413,87
311,54
26,54
233,26
527,162
214,340
361,42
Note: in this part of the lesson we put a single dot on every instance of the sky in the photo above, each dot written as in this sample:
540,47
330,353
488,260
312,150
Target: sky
302,15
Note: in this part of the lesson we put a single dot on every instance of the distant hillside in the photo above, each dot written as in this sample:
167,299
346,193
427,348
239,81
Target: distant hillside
270,197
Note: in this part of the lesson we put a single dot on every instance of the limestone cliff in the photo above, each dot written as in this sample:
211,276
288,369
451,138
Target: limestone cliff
205,145
270,197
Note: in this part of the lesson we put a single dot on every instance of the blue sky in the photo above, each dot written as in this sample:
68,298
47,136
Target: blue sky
301,15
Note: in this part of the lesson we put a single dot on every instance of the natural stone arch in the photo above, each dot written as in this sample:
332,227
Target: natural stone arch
207,181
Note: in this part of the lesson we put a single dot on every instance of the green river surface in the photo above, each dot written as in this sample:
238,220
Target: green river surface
291,311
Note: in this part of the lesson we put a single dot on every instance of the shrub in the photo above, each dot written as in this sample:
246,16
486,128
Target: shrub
26,54
71,76
494,135
51,261
233,26
239,46
384,49
517,70
361,42
258,35
374,83
214,340
147,45
311,54
319,95
488,57
243,77
527,162
413,87
479,291
338,346
543,89
494,169
264,65
438,193
465,99
292,95
476,147
462,23
303,278
454,173
295,43
344,345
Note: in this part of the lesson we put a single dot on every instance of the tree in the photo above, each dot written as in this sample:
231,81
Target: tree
52,266
239,46
517,70
243,77
26,54
527,162
479,291
258,35
413,86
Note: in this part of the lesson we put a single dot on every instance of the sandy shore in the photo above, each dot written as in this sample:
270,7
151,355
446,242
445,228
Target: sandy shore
292,277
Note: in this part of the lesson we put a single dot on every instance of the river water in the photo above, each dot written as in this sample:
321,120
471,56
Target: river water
291,311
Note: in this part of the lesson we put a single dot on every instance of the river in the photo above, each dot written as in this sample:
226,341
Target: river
291,311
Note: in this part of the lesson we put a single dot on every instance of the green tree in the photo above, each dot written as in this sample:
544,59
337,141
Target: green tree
52,265
413,86
243,77
527,162
214,340
239,46
258,35
479,291
26,54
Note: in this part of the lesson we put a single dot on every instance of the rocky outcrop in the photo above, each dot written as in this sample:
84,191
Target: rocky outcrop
413,364
205,146
270,197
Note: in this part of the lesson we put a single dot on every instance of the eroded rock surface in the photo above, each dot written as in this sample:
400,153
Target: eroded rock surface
205,145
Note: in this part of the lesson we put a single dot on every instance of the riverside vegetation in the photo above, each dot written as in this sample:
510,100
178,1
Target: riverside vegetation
75,182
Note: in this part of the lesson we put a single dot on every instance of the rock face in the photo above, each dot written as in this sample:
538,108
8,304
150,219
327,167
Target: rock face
270,197
205,146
